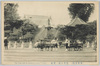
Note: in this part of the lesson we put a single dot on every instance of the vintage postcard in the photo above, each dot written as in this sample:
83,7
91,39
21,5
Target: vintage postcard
50,33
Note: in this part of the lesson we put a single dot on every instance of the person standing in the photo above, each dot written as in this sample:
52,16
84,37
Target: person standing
42,45
36,44
54,44
6,43
66,42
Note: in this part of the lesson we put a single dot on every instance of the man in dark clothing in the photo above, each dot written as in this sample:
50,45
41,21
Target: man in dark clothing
6,43
66,45
42,45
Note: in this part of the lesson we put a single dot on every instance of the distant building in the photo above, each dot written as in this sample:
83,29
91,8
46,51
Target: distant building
38,19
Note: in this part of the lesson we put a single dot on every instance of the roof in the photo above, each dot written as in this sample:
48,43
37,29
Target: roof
38,19
41,34
76,21
36,16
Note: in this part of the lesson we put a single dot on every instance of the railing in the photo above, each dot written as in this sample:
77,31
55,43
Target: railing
20,45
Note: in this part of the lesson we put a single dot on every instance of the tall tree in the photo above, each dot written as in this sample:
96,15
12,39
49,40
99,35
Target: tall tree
10,12
10,15
11,18
82,10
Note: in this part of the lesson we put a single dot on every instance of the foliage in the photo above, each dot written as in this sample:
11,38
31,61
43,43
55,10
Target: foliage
11,18
14,24
93,27
61,37
17,27
79,32
10,11
68,31
90,38
82,10
27,27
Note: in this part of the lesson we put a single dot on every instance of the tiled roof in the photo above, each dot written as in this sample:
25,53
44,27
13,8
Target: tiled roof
76,21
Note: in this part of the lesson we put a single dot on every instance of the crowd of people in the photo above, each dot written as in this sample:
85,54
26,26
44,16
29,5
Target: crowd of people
40,44
52,44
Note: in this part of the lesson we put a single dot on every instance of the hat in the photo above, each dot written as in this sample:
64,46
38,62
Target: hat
5,37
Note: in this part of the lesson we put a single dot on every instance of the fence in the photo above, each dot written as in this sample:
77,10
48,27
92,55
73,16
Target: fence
20,45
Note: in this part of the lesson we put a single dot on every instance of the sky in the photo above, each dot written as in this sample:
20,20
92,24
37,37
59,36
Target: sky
57,10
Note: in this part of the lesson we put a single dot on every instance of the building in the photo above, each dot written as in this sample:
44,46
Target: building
76,21
38,19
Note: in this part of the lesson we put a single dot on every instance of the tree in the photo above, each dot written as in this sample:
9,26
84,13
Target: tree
29,29
82,10
80,32
10,15
10,12
68,31
92,28
11,18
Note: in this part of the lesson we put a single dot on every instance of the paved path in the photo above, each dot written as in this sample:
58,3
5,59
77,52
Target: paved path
60,55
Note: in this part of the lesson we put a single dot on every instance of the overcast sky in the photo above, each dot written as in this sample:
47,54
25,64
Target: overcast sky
57,10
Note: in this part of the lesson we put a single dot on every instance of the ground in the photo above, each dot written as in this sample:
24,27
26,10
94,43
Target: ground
60,55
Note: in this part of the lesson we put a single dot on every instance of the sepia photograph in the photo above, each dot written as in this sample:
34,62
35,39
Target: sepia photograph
50,33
